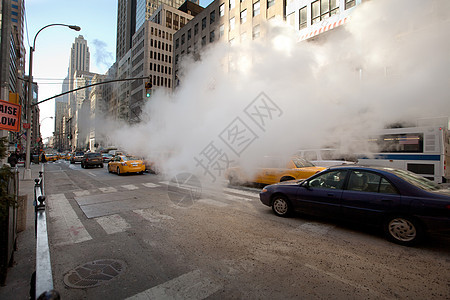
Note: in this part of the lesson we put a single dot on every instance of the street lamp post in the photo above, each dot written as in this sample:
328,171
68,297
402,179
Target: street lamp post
27,172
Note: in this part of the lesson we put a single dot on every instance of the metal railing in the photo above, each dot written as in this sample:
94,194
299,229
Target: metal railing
43,276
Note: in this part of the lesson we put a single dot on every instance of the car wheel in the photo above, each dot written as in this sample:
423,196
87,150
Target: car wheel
286,178
82,165
118,171
403,230
100,165
281,206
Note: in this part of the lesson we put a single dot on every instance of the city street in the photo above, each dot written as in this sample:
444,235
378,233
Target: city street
119,237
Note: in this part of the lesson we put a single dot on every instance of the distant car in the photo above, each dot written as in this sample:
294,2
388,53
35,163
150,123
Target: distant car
92,159
76,156
121,164
404,204
106,157
273,170
51,157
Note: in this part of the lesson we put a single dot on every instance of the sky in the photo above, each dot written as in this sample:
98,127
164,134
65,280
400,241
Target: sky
97,19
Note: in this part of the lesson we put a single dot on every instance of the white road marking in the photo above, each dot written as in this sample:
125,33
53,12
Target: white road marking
92,174
237,198
150,185
245,193
164,182
66,225
108,189
212,202
152,216
82,193
348,282
113,224
192,285
130,187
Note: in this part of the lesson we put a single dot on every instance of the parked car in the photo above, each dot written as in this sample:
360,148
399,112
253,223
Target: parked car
106,157
92,159
76,157
403,203
121,164
273,170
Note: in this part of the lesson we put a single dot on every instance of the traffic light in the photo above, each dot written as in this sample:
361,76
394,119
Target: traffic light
148,87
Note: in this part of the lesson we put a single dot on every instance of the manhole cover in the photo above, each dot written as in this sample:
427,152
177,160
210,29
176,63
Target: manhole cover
94,273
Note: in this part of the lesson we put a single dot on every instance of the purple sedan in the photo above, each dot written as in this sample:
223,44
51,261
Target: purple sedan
406,205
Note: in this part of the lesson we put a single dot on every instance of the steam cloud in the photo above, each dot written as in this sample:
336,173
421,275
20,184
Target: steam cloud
389,63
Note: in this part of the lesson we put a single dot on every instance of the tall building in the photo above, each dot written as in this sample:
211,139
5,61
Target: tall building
225,20
151,55
146,8
79,58
12,64
126,26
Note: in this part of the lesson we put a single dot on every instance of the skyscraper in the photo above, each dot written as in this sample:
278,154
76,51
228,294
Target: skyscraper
126,26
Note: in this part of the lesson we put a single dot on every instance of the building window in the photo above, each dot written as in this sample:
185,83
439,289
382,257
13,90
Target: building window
302,18
256,7
204,41
177,43
212,17
323,9
183,36
189,34
182,22
151,54
175,22
222,10
243,16
151,66
196,29
232,22
211,36
221,30
232,4
151,30
204,23
151,42
256,32
270,3
349,4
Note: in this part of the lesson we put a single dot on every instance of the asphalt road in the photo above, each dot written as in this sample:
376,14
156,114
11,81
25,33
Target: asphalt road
141,237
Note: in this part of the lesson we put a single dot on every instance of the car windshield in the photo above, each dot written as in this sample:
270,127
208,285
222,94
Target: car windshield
416,180
79,153
93,155
301,162
128,158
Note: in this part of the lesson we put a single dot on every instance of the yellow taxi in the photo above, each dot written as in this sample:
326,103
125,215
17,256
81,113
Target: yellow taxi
51,157
274,170
122,164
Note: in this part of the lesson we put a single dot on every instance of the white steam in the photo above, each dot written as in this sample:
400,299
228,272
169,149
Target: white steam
389,63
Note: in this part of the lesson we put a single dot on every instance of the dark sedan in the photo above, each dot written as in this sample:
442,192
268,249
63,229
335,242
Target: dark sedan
406,205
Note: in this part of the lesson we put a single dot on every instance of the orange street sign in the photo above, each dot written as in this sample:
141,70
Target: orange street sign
9,116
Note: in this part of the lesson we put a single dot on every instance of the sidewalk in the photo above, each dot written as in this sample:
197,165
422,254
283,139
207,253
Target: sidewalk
18,277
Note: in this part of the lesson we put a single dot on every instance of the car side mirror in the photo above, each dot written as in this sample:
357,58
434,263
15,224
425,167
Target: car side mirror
305,184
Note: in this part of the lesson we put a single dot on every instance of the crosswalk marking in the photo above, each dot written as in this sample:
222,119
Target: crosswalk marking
130,187
192,285
109,189
245,193
212,202
67,227
150,185
151,215
113,223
